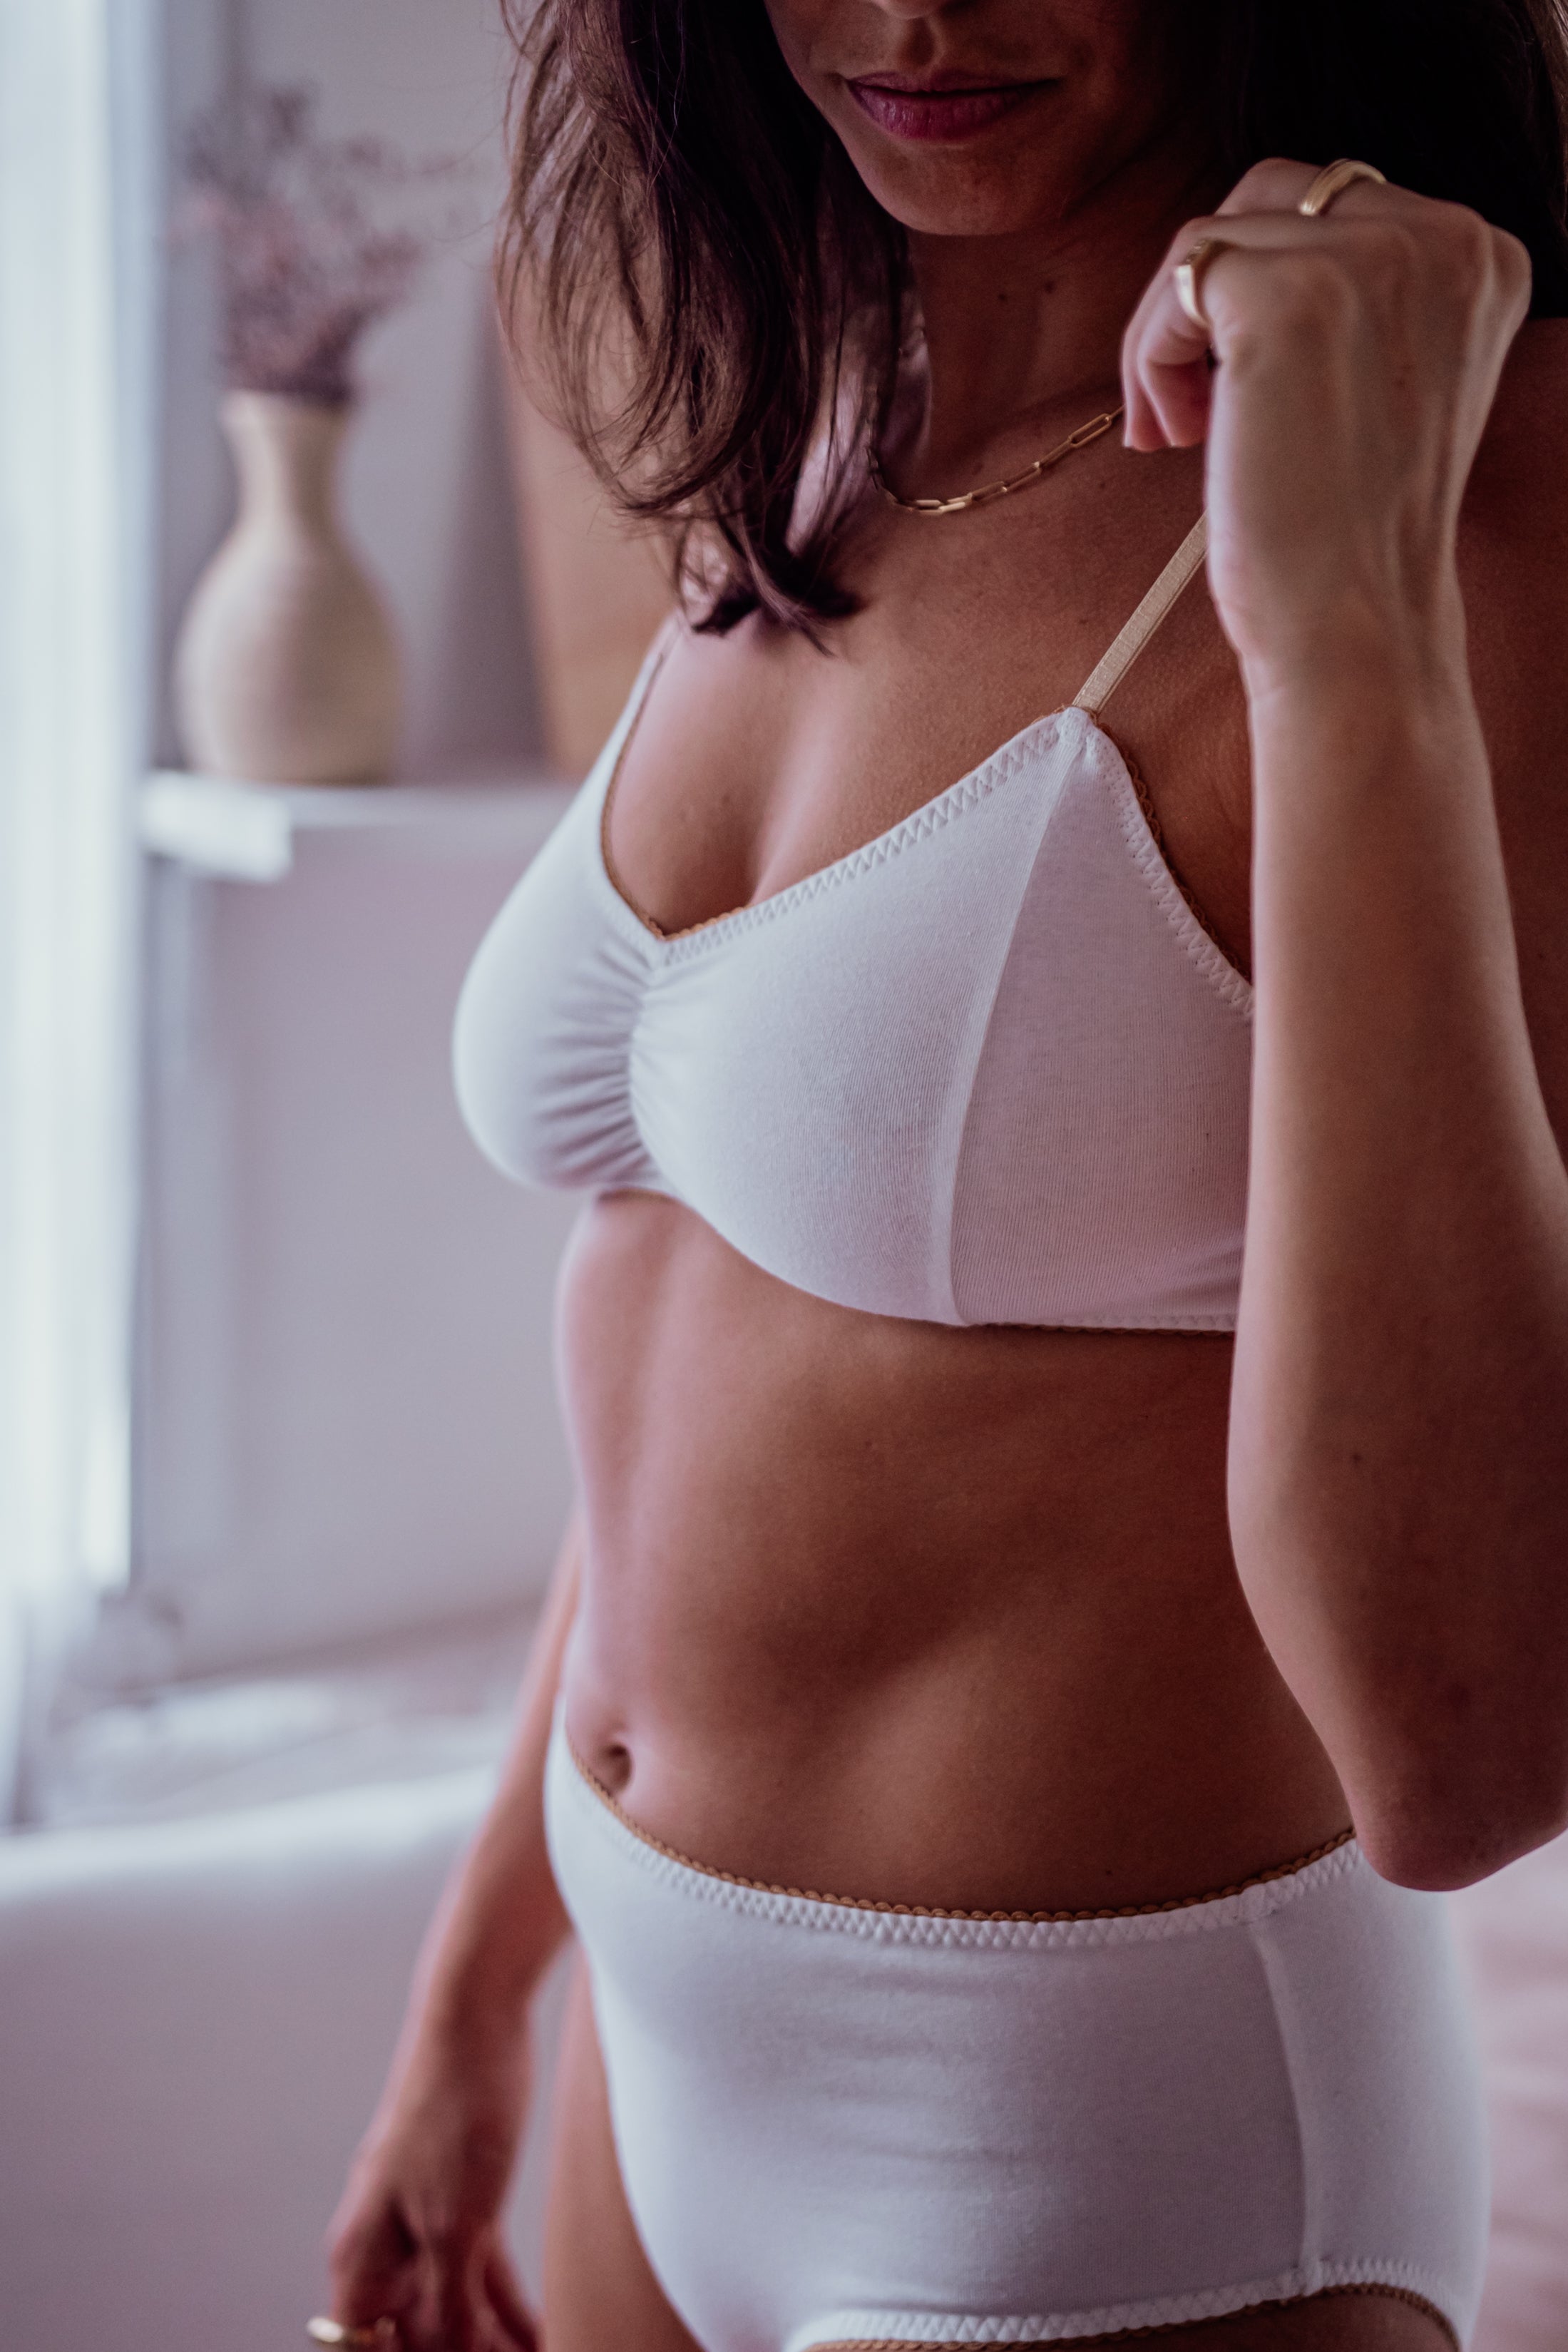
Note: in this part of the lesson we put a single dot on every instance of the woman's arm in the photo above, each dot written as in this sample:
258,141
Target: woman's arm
501,1921
1400,1404
1398,1499
417,2236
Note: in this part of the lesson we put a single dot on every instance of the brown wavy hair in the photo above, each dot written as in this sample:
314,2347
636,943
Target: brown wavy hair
715,304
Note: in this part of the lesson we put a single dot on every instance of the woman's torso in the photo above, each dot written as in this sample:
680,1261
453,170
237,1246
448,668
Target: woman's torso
873,1606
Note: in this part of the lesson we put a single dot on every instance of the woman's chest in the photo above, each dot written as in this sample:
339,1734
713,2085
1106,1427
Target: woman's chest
986,1068
761,759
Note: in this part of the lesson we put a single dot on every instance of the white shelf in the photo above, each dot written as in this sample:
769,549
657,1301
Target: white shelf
246,832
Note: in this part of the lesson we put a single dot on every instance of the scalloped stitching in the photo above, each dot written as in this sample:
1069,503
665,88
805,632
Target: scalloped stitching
893,2331
1221,974
678,947
1145,1323
873,1921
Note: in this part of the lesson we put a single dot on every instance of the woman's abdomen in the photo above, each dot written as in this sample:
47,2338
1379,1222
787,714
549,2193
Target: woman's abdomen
888,1608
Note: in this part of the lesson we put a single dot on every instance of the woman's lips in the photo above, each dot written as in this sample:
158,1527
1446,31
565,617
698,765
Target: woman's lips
913,113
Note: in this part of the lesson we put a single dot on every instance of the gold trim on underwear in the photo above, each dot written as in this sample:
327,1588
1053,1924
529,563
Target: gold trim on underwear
929,1911
1142,2335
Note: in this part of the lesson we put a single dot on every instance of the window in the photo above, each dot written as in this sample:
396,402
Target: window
68,745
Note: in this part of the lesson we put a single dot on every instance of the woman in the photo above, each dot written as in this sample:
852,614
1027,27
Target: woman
1024,1670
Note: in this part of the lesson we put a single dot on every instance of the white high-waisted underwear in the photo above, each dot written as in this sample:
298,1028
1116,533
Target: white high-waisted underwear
838,2123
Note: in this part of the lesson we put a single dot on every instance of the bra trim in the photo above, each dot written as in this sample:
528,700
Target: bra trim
1229,980
1125,646
673,948
933,816
929,817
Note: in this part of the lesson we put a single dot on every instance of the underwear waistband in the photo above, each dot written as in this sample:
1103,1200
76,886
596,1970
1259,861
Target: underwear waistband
1242,1906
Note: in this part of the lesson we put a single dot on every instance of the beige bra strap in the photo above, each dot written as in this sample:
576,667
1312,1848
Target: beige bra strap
1102,684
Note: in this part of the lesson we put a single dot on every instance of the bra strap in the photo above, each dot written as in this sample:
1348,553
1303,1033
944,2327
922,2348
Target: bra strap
1103,682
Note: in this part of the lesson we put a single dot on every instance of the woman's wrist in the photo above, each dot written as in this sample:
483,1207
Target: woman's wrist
482,1999
476,1984
1355,653
1330,748
454,2052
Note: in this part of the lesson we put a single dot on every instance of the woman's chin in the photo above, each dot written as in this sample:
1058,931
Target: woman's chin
943,194
1021,173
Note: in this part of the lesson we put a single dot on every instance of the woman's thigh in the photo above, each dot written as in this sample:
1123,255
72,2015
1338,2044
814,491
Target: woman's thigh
1329,2323
601,2296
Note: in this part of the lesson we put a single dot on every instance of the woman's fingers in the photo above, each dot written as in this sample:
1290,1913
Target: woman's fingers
447,2309
1166,365
1166,355
1355,358
372,2263
1165,359
514,2321
463,2312
1165,362
1167,401
458,2293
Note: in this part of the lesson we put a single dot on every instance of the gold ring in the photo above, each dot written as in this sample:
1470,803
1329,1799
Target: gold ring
336,2331
1333,180
1189,276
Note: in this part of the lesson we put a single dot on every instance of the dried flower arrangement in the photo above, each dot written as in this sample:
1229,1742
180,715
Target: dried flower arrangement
303,269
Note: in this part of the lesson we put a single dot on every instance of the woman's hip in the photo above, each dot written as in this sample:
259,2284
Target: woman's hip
842,2121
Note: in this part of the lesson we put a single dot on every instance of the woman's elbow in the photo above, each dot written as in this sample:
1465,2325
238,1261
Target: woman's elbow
1442,1839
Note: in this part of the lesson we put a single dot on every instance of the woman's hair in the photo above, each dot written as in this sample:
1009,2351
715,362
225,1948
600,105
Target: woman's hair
718,302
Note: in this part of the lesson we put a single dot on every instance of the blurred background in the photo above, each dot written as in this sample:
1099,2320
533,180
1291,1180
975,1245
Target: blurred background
307,623
281,1473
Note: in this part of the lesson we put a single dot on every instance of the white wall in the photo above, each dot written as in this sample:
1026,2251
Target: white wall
346,1420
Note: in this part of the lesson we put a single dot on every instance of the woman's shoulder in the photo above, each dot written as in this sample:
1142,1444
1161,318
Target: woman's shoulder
1519,488
1514,568
1513,545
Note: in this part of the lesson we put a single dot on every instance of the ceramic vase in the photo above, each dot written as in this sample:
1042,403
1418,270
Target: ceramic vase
286,668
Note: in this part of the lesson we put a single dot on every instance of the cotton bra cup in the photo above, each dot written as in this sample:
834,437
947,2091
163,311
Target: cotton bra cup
989,1069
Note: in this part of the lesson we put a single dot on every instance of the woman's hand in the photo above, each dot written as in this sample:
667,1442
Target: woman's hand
418,2236
1356,359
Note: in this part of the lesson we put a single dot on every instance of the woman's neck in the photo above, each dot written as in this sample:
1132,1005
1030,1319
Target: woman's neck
1018,326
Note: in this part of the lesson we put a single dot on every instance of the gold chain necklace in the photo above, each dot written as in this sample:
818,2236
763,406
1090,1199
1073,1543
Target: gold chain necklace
993,490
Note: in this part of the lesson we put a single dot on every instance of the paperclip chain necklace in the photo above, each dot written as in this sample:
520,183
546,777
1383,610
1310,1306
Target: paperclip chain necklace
1081,439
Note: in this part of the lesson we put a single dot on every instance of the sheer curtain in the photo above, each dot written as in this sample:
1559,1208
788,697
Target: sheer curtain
72,247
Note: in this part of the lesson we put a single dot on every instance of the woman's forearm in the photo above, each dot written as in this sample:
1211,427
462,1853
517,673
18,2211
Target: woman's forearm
1401,1390
501,1921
